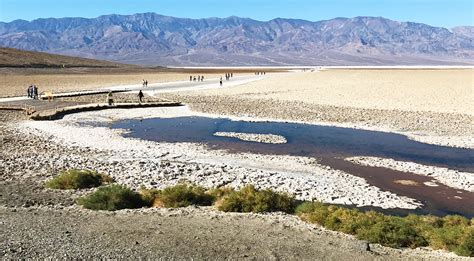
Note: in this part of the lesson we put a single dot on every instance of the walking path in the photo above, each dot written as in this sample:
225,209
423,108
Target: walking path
152,89
44,109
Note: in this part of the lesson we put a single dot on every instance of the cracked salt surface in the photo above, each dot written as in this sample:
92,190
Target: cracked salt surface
262,138
452,178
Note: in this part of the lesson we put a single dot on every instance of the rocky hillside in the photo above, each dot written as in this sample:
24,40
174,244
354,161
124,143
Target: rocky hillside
150,38
26,59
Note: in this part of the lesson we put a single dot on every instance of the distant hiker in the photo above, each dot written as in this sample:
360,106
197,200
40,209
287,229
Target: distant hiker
190,78
110,99
146,83
140,96
30,91
202,78
231,75
194,79
220,81
143,83
35,92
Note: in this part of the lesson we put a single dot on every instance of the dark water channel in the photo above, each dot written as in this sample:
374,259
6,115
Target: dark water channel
330,145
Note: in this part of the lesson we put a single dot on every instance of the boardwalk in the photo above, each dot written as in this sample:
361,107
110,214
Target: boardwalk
92,99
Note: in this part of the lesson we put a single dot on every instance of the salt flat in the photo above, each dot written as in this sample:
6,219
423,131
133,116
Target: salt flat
450,91
429,105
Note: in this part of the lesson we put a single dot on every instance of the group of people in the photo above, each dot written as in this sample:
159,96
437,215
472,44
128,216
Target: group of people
110,98
145,83
260,73
199,78
32,92
227,77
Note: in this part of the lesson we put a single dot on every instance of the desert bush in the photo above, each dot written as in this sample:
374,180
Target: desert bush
454,220
349,221
313,212
371,226
148,195
78,179
181,195
249,199
450,235
466,246
112,197
393,232
453,233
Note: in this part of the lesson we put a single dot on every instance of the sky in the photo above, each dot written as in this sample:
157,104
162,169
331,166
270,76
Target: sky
445,13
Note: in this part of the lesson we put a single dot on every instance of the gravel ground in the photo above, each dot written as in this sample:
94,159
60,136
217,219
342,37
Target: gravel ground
186,233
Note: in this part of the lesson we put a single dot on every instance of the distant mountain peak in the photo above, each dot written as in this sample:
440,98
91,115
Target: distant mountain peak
150,38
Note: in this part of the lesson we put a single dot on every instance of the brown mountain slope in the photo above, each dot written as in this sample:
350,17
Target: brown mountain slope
26,59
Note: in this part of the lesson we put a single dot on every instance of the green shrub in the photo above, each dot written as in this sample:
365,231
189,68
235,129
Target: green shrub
313,212
393,232
453,233
249,199
112,198
78,179
454,220
466,246
349,221
371,226
148,195
181,195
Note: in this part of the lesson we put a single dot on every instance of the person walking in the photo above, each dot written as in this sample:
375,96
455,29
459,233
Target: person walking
110,99
220,81
190,78
30,91
146,83
202,78
140,96
35,92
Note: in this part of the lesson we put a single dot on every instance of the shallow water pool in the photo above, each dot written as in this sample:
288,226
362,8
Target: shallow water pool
330,145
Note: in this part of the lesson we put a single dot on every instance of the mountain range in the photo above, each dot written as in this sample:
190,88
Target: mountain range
153,39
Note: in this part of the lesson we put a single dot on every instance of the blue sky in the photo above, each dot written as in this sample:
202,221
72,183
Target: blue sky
447,13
